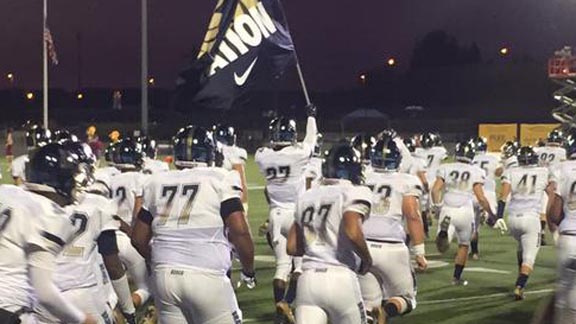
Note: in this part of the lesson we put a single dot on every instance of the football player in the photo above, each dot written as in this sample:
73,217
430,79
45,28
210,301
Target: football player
283,165
126,189
416,167
34,228
526,185
489,163
327,232
390,282
188,213
433,153
149,163
550,156
508,157
36,137
234,157
76,275
314,167
458,182
563,214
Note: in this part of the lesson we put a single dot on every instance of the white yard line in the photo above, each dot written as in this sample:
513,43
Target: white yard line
463,299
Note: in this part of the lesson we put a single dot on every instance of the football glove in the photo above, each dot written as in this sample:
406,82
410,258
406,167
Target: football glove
311,110
501,225
249,279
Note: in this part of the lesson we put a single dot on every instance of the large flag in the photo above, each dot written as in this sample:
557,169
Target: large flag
247,43
50,46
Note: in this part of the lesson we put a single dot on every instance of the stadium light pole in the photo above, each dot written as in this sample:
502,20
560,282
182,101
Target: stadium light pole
144,68
45,64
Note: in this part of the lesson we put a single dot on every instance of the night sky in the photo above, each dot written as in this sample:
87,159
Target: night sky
334,39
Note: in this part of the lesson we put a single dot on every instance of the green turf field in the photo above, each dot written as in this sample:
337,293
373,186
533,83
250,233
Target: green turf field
487,298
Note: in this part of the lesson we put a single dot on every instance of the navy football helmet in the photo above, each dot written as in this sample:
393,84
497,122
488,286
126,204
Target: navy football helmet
194,146
127,154
465,152
527,156
427,140
225,134
148,147
62,135
385,155
555,137
59,167
570,145
363,143
480,143
37,136
509,149
283,131
343,162
410,144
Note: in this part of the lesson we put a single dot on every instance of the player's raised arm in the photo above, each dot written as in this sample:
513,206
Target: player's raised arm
311,128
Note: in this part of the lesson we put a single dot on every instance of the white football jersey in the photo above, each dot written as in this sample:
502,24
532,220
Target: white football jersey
314,171
433,158
284,171
187,227
528,184
125,188
459,180
565,177
26,219
415,166
550,156
509,163
105,173
152,166
386,217
19,167
489,163
91,216
319,213
233,155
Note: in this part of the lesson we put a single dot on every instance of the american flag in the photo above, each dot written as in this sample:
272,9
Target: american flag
50,45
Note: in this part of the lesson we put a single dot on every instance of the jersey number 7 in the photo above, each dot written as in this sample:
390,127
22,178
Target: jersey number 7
189,191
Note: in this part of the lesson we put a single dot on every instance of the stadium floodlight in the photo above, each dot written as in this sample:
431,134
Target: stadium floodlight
391,61
30,95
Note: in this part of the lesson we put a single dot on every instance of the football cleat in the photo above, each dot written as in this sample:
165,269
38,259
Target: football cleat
475,257
376,316
518,293
284,313
459,282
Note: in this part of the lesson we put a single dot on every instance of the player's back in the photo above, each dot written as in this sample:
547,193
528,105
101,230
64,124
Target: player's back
152,166
188,229
386,217
92,215
319,213
528,184
565,177
459,180
25,219
125,187
284,172
550,156
233,155
433,158
489,163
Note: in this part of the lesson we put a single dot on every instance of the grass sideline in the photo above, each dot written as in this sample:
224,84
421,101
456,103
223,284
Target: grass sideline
487,299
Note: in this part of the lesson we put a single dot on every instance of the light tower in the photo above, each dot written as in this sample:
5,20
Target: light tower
562,71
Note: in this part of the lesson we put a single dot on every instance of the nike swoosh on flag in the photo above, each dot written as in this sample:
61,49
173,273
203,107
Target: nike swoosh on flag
240,80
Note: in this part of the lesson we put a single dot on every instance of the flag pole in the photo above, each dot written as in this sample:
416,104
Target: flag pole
144,67
298,67
45,64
